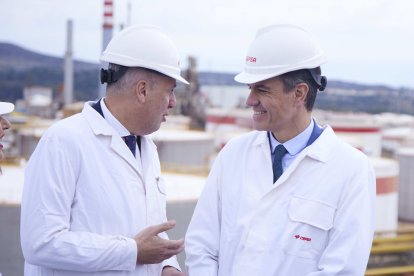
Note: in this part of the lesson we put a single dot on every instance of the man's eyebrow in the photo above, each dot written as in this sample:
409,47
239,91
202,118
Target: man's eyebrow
257,86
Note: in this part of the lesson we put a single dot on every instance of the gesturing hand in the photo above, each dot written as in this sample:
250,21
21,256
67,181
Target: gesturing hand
153,249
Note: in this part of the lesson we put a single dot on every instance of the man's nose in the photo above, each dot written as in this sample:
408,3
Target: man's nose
172,101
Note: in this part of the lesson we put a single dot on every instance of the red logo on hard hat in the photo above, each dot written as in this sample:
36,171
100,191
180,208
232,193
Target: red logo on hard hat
250,59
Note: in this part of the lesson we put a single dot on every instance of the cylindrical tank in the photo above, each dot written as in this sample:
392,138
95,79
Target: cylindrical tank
221,122
405,156
11,180
363,126
369,136
386,171
183,187
354,140
395,138
184,151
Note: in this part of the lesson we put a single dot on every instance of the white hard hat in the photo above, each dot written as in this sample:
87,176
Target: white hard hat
278,49
6,107
144,46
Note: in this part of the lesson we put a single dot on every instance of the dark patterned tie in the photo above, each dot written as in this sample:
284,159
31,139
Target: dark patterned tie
279,152
131,141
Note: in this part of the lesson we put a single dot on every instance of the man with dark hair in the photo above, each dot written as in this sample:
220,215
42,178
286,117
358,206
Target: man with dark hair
290,198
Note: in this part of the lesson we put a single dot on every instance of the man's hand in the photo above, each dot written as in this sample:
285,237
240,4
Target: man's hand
153,249
171,271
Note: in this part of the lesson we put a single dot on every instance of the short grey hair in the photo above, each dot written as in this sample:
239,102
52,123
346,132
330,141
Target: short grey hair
128,78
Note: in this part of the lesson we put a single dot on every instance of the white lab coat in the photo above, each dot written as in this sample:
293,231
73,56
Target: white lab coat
84,199
317,219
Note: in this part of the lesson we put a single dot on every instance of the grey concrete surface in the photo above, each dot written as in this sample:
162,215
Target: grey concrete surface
11,258
181,212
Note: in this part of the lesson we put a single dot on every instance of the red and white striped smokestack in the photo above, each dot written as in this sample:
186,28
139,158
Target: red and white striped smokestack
108,22
108,14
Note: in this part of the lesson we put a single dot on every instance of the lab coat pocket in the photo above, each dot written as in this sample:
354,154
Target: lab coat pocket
161,186
161,197
308,227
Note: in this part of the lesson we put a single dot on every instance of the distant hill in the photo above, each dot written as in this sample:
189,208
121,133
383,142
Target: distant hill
343,96
216,78
22,59
20,67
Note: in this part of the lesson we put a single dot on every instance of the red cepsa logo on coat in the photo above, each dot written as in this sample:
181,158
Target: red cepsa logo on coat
302,238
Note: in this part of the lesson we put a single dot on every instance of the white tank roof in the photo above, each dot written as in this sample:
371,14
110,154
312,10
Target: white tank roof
180,135
182,187
233,112
397,132
408,151
11,184
384,167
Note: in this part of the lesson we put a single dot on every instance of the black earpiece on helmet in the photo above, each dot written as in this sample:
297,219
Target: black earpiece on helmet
107,76
321,81
324,82
110,76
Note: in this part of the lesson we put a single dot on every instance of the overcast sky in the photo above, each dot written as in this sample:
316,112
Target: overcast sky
366,41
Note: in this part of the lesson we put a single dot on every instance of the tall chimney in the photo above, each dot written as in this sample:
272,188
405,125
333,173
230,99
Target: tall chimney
68,66
129,13
107,35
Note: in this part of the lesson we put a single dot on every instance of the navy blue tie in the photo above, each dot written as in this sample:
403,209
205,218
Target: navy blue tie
279,152
131,142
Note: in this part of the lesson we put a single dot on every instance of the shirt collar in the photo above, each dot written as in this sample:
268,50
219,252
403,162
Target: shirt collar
112,121
297,143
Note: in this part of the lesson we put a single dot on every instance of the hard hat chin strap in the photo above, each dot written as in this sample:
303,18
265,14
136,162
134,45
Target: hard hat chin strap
110,76
322,81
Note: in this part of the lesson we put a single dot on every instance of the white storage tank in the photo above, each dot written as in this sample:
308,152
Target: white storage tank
11,183
221,122
395,138
405,156
386,171
226,96
369,136
363,126
184,151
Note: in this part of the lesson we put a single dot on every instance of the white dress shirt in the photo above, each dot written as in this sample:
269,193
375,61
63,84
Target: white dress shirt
294,146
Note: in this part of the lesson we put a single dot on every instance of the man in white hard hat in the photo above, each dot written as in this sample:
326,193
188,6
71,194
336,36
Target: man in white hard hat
288,199
5,107
94,198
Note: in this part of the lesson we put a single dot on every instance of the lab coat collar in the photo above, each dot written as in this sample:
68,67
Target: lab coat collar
323,146
319,150
97,123
102,130
261,139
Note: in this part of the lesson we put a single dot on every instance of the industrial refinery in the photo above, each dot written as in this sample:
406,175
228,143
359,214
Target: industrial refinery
206,117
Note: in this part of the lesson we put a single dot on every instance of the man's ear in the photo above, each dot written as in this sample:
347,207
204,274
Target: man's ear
141,90
301,91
